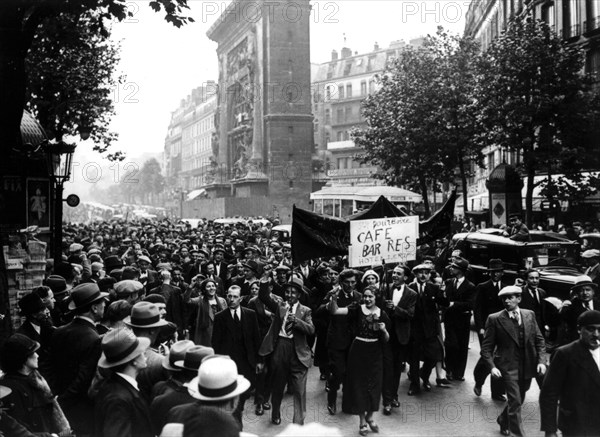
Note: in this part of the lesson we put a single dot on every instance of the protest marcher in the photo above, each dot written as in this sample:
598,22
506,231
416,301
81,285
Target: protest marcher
322,285
513,349
584,299
37,326
362,387
208,304
286,340
572,384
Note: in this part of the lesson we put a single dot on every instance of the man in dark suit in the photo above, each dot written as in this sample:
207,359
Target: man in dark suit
220,264
120,409
286,340
425,343
486,303
148,277
584,290
340,336
307,273
591,259
74,353
533,299
235,333
457,319
573,381
513,349
400,301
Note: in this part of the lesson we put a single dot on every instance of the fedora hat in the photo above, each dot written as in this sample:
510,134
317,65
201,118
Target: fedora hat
176,353
460,263
145,315
217,380
495,264
85,295
30,304
193,357
509,290
581,281
296,283
120,346
57,284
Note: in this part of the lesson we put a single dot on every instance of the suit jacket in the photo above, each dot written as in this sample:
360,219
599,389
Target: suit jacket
540,310
486,302
573,379
402,314
150,281
74,353
121,411
222,271
161,404
426,321
568,317
500,346
224,330
302,328
462,298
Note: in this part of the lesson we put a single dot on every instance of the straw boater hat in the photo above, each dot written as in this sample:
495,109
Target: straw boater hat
120,346
581,281
217,380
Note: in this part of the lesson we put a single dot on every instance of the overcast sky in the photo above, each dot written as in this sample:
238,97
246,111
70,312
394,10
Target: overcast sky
163,64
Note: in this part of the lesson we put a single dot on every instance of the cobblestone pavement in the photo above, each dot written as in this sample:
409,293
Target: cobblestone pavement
454,411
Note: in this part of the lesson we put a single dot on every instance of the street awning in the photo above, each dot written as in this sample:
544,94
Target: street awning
196,193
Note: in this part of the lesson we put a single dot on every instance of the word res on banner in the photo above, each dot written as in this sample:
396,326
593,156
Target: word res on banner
390,239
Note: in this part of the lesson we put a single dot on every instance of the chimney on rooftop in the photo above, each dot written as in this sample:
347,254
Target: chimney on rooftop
376,47
346,52
334,55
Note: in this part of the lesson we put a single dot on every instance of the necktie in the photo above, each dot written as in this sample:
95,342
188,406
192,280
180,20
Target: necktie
288,324
515,315
236,319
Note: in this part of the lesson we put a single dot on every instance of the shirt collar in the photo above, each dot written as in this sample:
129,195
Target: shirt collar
87,319
129,379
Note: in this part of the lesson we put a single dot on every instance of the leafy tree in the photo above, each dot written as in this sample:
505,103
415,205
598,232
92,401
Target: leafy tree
20,21
71,73
533,99
420,122
151,181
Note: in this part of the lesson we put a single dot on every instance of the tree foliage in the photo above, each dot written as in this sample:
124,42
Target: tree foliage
20,21
532,98
420,121
71,71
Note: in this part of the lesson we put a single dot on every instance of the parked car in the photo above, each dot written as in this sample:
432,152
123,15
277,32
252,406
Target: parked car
284,232
555,256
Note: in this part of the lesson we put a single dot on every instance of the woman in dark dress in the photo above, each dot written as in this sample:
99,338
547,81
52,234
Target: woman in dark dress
364,374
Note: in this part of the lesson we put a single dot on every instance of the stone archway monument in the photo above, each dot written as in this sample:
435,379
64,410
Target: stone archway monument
264,124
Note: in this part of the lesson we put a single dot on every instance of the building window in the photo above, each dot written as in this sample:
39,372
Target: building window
340,115
347,68
327,116
347,113
371,86
363,88
341,163
349,90
328,92
593,64
341,91
548,15
340,136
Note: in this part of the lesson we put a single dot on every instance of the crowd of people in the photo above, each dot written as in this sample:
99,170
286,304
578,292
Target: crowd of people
154,327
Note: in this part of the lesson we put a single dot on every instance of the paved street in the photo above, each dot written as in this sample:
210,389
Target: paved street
454,411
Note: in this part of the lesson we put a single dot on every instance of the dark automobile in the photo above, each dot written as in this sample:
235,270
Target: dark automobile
552,254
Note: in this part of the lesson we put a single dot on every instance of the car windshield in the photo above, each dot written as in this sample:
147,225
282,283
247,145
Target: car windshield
552,255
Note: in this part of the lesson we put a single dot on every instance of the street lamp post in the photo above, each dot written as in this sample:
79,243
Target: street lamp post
59,158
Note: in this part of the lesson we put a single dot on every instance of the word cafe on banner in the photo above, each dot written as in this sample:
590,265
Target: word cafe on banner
391,239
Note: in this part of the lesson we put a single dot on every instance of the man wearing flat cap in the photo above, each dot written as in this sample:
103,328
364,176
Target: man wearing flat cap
572,385
513,349
148,277
74,353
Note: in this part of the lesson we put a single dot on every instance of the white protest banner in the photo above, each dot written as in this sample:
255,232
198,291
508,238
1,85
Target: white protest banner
390,239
